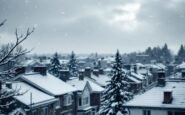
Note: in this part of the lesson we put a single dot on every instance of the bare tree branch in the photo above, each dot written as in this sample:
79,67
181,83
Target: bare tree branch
19,40
2,23
10,52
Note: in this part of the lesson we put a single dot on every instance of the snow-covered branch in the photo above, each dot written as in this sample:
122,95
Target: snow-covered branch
19,39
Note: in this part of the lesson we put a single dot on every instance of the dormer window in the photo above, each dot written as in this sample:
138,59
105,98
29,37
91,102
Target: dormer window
85,100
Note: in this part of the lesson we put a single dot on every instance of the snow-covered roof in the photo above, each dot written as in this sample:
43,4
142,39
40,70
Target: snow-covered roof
46,61
156,66
162,66
108,69
30,62
176,75
101,79
18,111
140,65
64,61
133,79
181,66
38,97
154,97
80,84
49,83
110,59
144,71
138,75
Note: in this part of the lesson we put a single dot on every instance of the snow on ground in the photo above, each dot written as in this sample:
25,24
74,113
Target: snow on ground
49,83
27,90
154,97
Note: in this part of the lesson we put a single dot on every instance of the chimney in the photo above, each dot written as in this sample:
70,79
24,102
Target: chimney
161,78
87,72
81,75
135,68
167,97
9,85
64,74
96,72
183,73
41,69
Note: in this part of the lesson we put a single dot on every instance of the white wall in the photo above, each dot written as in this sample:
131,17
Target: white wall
153,112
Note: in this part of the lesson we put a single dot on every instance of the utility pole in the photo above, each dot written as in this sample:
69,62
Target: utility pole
30,103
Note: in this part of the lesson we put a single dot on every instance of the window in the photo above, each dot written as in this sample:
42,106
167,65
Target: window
81,113
57,104
34,112
88,113
170,113
45,111
176,113
146,112
93,113
79,101
67,100
85,100
67,113
179,113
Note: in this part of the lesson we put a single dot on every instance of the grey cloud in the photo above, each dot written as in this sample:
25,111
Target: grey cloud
83,26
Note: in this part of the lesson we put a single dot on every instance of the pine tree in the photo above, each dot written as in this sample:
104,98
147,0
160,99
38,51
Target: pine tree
116,92
55,65
167,56
181,54
73,67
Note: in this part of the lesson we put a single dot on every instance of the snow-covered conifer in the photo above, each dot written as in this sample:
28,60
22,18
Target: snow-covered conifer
116,92
55,65
73,66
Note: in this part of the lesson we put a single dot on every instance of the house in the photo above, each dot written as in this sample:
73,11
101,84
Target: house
102,80
135,84
30,101
55,87
139,77
180,67
178,76
88,95
165,99
154,68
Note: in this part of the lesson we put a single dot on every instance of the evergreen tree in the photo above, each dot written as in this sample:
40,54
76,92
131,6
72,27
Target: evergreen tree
55,65
73,67
181,54
167,56
116,92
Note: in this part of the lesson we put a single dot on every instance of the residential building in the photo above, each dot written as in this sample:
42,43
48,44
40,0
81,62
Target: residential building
88,95
164,99
33,101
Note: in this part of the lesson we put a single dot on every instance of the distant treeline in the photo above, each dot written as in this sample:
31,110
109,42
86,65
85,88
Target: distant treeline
156,54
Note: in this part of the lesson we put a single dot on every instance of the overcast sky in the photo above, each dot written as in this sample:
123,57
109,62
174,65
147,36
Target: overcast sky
101,26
